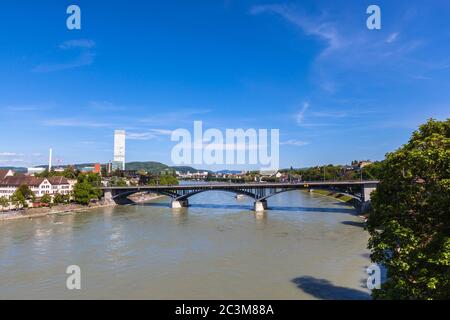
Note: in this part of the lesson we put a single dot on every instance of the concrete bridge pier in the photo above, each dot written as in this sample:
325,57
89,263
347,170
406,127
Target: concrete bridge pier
177,204
260,205
367,190
107,196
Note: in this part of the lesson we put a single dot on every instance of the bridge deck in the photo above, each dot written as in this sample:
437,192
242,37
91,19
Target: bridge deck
259,185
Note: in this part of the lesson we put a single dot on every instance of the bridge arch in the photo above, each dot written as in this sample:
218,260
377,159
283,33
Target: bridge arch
235,191
127,193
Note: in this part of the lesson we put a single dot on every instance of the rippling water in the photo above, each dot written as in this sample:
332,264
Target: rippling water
305,247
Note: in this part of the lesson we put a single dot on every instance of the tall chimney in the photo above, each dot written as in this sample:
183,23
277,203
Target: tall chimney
50,160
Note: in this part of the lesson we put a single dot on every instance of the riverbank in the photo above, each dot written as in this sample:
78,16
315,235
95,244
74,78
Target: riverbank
342,198
335,195
30,213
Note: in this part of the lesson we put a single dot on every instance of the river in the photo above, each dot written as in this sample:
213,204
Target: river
305,247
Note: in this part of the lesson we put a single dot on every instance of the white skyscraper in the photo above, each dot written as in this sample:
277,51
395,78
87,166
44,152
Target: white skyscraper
119,150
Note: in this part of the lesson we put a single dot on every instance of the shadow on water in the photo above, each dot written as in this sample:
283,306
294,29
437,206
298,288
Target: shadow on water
324,289
354,224
198,205
312,209
250,207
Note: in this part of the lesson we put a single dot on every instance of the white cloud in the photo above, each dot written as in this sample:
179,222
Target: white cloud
77,43
68,122
392,37
11,160
311,26
301,114
10,154
86,57
148,135
293,142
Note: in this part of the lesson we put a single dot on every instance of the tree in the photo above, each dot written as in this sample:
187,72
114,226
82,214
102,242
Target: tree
4,202
26,192
168,179
86,188
46,198
18,200
59,199
70,173
120,182
409,222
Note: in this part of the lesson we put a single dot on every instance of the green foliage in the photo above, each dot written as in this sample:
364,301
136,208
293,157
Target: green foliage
69,173
26,192
60,198
46,198
373,171
167,179
409,222
149,166
18,200
87,188
4,202
21,195
119,182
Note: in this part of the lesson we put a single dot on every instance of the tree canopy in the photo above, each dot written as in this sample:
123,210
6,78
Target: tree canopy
86,188
409,220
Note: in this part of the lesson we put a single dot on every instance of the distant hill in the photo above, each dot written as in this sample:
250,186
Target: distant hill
148,166
229,171
15,169
156,167
185,169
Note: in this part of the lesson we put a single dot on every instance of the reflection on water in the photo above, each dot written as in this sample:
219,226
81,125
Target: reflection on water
304,247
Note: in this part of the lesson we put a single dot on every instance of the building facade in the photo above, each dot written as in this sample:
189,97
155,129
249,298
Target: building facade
39,186
119,150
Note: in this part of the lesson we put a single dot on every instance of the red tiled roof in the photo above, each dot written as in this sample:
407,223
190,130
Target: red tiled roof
17,181
3,174
58,180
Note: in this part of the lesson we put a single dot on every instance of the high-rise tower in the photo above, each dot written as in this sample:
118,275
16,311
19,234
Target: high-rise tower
119,150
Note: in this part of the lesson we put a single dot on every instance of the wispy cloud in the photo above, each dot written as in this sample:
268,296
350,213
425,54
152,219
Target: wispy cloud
317,27
72,122
300,116
293,142
79,43
105,106
10,154
347,48
149,134
181,116
83,58
392,37
11,161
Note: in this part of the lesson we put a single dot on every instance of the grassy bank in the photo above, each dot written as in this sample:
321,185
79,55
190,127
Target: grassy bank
335,195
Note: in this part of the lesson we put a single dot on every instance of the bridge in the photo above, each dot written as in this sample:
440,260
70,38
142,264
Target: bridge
259,192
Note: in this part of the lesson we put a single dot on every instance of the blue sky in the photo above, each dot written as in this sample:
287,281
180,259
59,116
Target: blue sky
336,90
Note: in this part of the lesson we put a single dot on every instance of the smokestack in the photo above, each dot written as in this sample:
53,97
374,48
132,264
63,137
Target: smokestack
50,160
